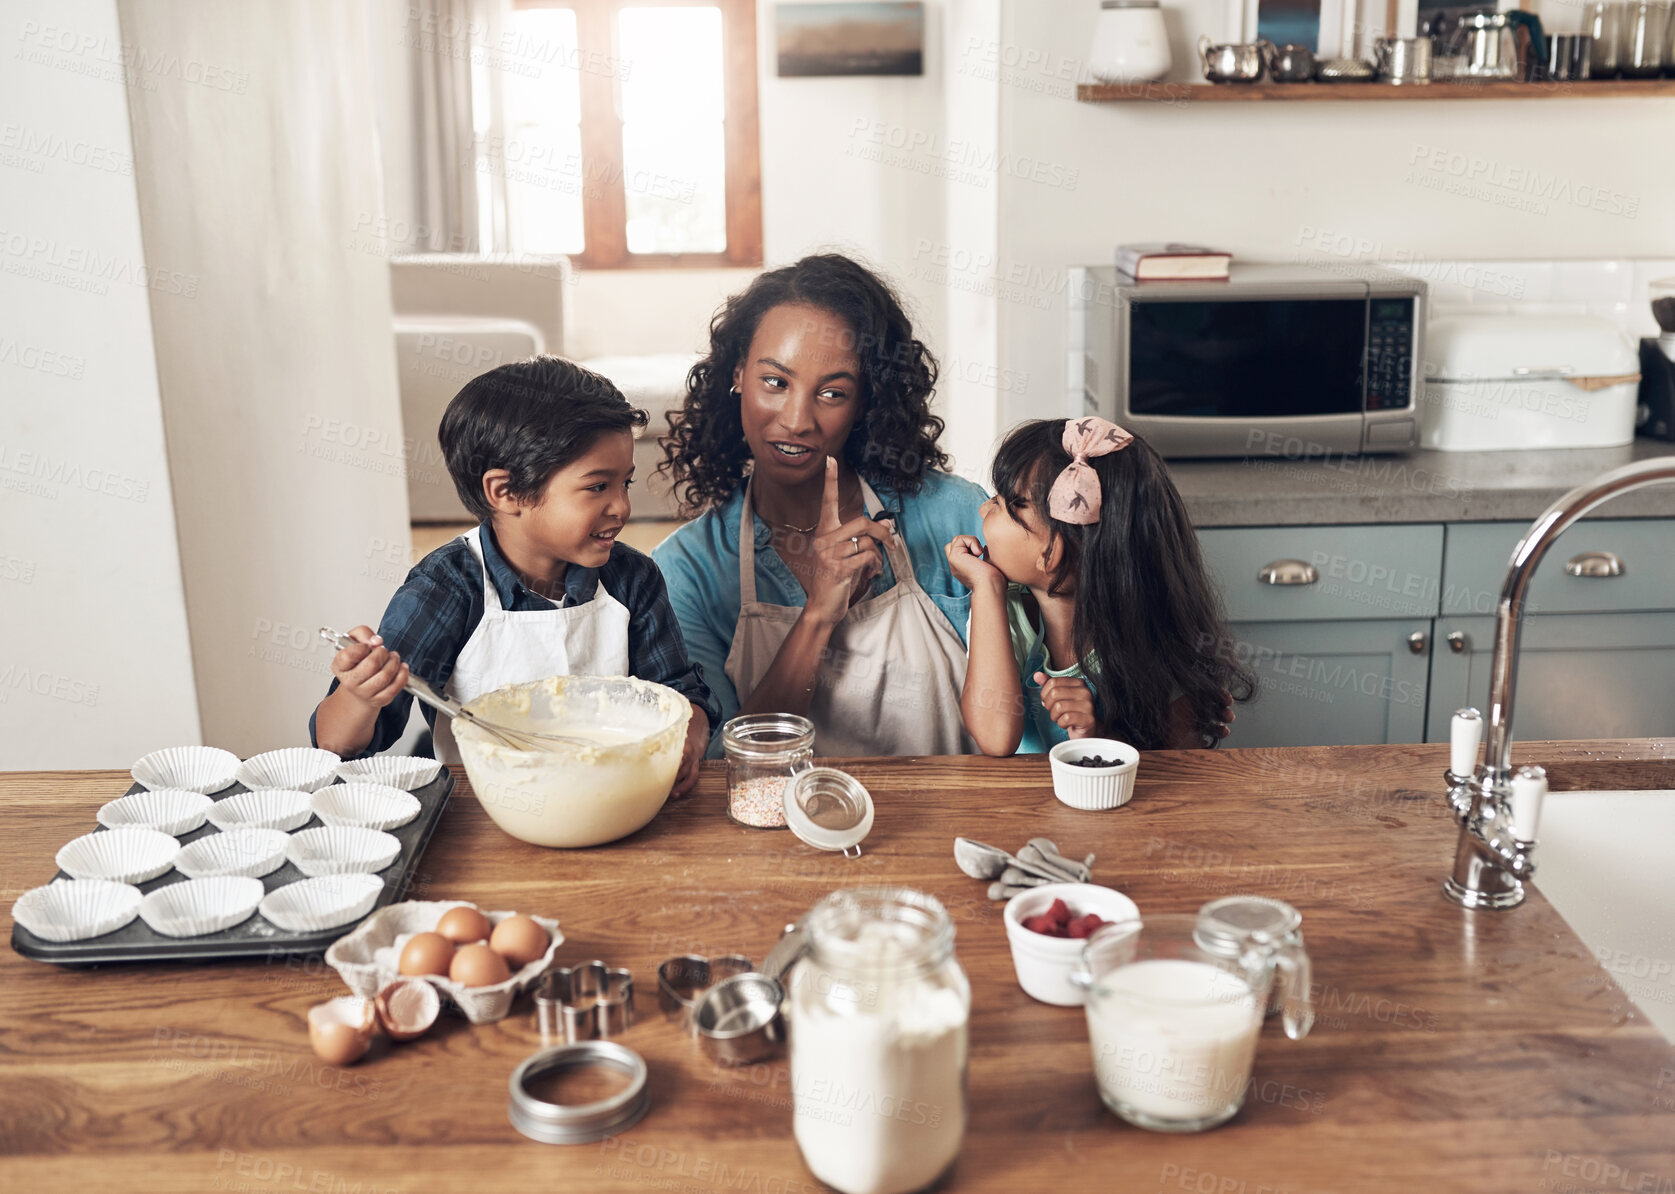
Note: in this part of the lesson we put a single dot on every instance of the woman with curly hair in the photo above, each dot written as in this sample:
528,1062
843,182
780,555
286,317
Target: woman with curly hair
812,579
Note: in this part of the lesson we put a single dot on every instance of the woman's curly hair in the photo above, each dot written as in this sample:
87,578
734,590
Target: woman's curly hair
893,442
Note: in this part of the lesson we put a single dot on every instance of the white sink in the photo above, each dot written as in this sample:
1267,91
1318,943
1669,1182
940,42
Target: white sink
1606,861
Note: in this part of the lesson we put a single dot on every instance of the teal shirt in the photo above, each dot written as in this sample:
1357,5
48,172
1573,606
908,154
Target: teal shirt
700,564
1029,647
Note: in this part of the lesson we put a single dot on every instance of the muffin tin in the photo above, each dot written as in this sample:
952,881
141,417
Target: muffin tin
255,936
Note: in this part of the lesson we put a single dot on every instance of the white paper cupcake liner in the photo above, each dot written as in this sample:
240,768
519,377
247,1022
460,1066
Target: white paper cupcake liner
173,811
369,958
76,909
268,808
341,850
298,768
202,769
251,853
200,906
365,806
408,772
119,855
310,905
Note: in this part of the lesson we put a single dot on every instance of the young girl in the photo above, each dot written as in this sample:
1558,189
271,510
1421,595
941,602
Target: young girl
1090,612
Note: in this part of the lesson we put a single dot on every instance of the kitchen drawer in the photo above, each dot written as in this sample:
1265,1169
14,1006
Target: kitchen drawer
1360,572
1476,557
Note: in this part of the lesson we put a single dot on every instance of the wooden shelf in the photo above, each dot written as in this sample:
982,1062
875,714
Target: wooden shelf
1265,92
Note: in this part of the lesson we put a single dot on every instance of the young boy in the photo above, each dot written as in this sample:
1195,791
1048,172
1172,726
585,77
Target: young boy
542,452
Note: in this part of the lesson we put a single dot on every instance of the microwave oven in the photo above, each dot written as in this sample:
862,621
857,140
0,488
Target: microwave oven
1276,360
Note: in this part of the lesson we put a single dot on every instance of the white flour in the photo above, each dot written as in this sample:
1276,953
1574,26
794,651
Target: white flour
877,1076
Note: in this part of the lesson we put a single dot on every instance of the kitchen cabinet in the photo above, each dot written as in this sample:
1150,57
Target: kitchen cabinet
1335,621
1378,633
1334,683
1598,655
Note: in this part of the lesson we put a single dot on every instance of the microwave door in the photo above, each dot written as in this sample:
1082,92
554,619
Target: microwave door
1256,359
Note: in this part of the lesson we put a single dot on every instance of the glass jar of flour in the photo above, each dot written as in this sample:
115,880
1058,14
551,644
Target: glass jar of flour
878,1008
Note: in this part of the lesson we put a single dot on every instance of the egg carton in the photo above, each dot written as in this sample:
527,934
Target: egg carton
368,959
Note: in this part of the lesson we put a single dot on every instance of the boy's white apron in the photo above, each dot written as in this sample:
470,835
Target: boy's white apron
891,681
511,646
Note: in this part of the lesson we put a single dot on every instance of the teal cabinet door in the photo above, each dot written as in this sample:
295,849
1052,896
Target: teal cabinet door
1333,683
1604,675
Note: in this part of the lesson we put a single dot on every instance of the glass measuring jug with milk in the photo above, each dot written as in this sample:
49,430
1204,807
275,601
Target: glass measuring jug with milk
1173,1025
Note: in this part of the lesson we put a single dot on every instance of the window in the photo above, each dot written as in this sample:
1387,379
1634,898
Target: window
622,132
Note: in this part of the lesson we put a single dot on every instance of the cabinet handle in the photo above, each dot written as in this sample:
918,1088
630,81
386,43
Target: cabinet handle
1288,572
1416,642
1456,642
1596,564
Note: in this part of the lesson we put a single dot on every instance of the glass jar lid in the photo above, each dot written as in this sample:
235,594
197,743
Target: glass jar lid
829,809
1225,925
767,736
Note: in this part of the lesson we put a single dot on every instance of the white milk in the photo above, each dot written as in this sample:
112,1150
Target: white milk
878,1082
1173,1039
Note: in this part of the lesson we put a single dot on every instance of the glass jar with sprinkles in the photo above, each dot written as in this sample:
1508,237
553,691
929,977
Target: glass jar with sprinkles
764,750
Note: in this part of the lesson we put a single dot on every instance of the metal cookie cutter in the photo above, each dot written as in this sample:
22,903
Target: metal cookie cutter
584,1001
682,981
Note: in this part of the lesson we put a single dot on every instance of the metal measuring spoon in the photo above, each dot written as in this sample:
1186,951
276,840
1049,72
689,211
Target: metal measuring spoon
983,861
1050,863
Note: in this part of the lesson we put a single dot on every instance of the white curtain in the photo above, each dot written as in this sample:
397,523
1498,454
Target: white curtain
448,186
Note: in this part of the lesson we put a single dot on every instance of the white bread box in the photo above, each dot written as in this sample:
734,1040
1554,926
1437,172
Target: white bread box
1502,382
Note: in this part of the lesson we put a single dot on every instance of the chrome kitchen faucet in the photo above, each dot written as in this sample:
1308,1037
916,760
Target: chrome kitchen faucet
1497,810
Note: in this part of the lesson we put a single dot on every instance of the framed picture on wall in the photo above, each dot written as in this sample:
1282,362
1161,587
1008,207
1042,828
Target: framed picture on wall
1317,24
850,39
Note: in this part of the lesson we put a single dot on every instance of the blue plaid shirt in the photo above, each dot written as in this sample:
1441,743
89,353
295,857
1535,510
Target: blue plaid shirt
440,603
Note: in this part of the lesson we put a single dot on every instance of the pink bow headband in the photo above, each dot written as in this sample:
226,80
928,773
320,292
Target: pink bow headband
1075,494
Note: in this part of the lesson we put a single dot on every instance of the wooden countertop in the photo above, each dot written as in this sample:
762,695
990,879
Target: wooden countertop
1454,1050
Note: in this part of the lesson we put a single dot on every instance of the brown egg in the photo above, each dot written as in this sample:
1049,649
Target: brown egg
464,925
407,1008
478,966
341,1029
520,941
426,953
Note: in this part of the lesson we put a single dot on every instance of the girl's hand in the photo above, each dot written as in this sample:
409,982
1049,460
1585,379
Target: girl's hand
969,565
697,742
847,555
1069,702
368,671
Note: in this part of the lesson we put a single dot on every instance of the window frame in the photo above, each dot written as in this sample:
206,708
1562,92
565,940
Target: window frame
605,207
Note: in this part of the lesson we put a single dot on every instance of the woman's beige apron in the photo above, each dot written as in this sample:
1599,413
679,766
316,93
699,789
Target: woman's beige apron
890,683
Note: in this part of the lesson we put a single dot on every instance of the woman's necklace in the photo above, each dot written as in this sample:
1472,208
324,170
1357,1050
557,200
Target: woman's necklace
786,526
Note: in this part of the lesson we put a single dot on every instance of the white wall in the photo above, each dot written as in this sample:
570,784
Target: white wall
96,669
856,165
278,378
1310,182
642,312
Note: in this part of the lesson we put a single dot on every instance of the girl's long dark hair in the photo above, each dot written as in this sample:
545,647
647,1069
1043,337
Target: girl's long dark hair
1144,605
893,442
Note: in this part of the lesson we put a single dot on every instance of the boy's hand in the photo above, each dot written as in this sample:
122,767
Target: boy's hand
1069,702
697,742
969,566
369,671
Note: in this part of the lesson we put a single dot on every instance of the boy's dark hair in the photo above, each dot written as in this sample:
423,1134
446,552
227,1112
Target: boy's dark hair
1144,602
893,441
530,418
